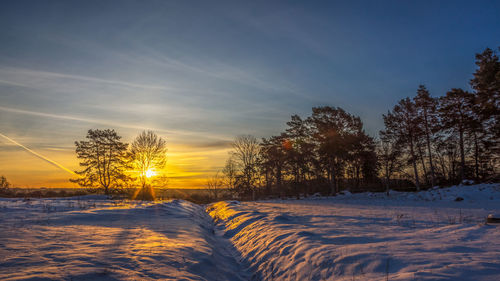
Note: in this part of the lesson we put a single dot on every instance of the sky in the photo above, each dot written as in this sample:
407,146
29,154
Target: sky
199,73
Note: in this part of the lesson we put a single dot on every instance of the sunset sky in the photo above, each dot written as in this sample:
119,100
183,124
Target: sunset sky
199,73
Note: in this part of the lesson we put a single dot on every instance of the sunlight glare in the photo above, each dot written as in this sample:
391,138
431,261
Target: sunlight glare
150,173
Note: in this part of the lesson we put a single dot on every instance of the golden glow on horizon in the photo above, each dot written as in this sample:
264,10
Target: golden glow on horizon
188,166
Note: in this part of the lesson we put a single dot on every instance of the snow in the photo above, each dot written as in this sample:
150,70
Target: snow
354,236
92,238
369,236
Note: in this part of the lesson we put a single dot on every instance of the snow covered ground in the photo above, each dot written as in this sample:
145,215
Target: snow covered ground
96,239
367,236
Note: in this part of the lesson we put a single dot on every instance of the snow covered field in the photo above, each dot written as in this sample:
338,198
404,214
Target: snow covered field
405,236
96,239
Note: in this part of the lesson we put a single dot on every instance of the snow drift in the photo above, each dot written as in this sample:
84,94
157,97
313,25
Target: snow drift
91,238
368,236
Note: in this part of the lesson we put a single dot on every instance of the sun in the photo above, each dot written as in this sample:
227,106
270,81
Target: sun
150,173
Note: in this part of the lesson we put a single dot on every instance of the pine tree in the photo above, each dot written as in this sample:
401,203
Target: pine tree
486,84
427,110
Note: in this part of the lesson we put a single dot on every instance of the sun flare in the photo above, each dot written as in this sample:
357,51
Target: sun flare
150,173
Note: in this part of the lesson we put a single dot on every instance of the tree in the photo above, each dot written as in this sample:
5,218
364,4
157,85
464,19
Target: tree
389,157
456,113
230,172
246,152
4,184
403,122
214,185
333,131
486,84
273,157
427,110
103,159
148,155
299,151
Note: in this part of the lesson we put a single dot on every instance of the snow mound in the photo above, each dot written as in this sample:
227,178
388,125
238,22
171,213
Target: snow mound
369,236
91,238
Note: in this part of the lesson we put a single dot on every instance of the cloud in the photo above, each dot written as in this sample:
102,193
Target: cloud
48,160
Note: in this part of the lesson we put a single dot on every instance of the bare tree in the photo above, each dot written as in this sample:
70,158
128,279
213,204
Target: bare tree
230,172
103,159
148,155
246,151
215,184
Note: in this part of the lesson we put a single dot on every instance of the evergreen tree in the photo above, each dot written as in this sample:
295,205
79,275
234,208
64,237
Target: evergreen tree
486,84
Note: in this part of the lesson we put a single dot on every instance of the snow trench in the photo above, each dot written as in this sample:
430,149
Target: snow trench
370,236
92,239
404,236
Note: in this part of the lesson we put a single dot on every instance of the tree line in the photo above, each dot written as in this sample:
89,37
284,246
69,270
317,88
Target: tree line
427,141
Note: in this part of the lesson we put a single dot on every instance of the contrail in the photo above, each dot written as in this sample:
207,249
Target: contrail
39,155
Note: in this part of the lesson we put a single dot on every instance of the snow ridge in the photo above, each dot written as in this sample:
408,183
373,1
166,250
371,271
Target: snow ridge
99,239
403,236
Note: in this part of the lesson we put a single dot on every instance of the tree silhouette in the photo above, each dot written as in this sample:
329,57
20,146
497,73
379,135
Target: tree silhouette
230,172
103,159
389,157
427,110
148,155
456,113
246,151
4,184
403,123
215,184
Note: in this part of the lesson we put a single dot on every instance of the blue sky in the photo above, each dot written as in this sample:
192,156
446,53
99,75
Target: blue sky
201,72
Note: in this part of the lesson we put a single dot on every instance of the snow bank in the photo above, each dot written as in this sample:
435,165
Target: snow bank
92,238
404,236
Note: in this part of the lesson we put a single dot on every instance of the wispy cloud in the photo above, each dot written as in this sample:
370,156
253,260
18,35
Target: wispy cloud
27,73
199,140
46,159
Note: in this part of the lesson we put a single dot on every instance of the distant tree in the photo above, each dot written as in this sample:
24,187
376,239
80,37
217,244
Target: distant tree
299,151
230,172
456,113
214,185
148,156
246,151
273,157
333,131
103,157
427,110
362,156
389,157
4,184
403,123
